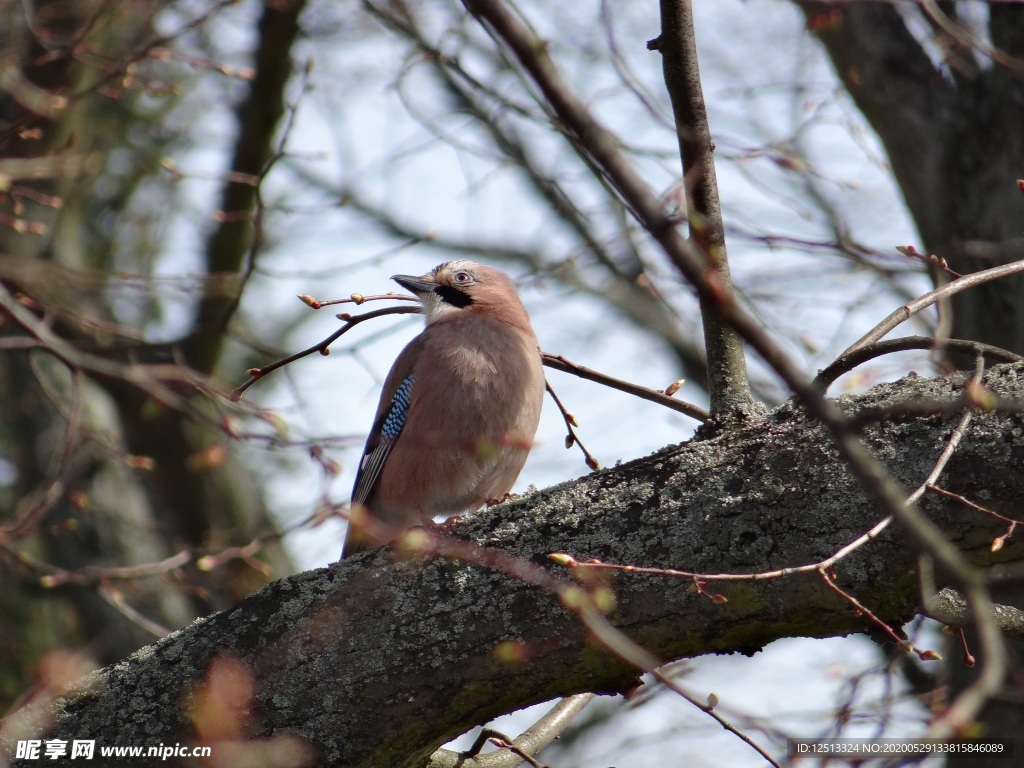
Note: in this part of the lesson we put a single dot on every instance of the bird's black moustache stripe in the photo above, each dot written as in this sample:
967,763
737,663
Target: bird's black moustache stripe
453,296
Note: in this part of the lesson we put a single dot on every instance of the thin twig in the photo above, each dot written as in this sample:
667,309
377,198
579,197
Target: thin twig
356,298
830,582
116,600
570,424
850,360
90,575
933,262
911,308
559,363
323,347
969,660
206,560
970,504
1000,541
503,743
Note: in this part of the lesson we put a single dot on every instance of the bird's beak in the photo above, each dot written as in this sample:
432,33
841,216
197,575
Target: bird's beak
417,285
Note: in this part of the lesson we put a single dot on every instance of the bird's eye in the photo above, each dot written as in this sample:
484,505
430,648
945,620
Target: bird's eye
463,277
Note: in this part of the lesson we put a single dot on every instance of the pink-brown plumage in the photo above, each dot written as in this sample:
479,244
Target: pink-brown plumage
473,406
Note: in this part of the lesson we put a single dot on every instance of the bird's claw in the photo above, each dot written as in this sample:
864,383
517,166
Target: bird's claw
502,500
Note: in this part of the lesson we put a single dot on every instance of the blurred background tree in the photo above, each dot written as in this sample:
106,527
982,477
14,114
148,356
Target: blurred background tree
113,453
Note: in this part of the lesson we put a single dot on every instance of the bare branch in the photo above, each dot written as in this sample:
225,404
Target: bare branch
731,399
153,380
850,360
570,424
950,608
530,742
322,347
559,363
910,309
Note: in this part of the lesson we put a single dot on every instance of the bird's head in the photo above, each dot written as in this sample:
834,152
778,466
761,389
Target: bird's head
464,287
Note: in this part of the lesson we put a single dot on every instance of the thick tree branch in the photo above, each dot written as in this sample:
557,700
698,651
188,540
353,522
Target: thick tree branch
441,646
949,607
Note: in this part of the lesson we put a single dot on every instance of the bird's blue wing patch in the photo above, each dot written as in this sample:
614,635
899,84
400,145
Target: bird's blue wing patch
382,440
399,410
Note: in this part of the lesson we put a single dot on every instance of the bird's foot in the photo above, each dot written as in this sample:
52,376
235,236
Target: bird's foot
447,525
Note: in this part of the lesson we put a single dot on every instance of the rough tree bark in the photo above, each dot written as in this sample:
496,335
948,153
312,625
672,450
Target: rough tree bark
378,660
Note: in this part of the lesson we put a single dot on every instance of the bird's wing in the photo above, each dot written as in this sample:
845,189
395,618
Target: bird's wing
385,432
392,414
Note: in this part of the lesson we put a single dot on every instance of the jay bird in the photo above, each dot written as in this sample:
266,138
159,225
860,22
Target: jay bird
459,409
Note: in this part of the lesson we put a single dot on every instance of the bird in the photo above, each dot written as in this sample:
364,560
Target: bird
459,409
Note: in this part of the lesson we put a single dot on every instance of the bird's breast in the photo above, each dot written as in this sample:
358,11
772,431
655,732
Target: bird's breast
474,365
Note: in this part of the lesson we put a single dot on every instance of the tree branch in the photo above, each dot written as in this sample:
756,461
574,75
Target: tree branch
559,363
532,741
441,646
727,368
861,354
950,608
911,308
